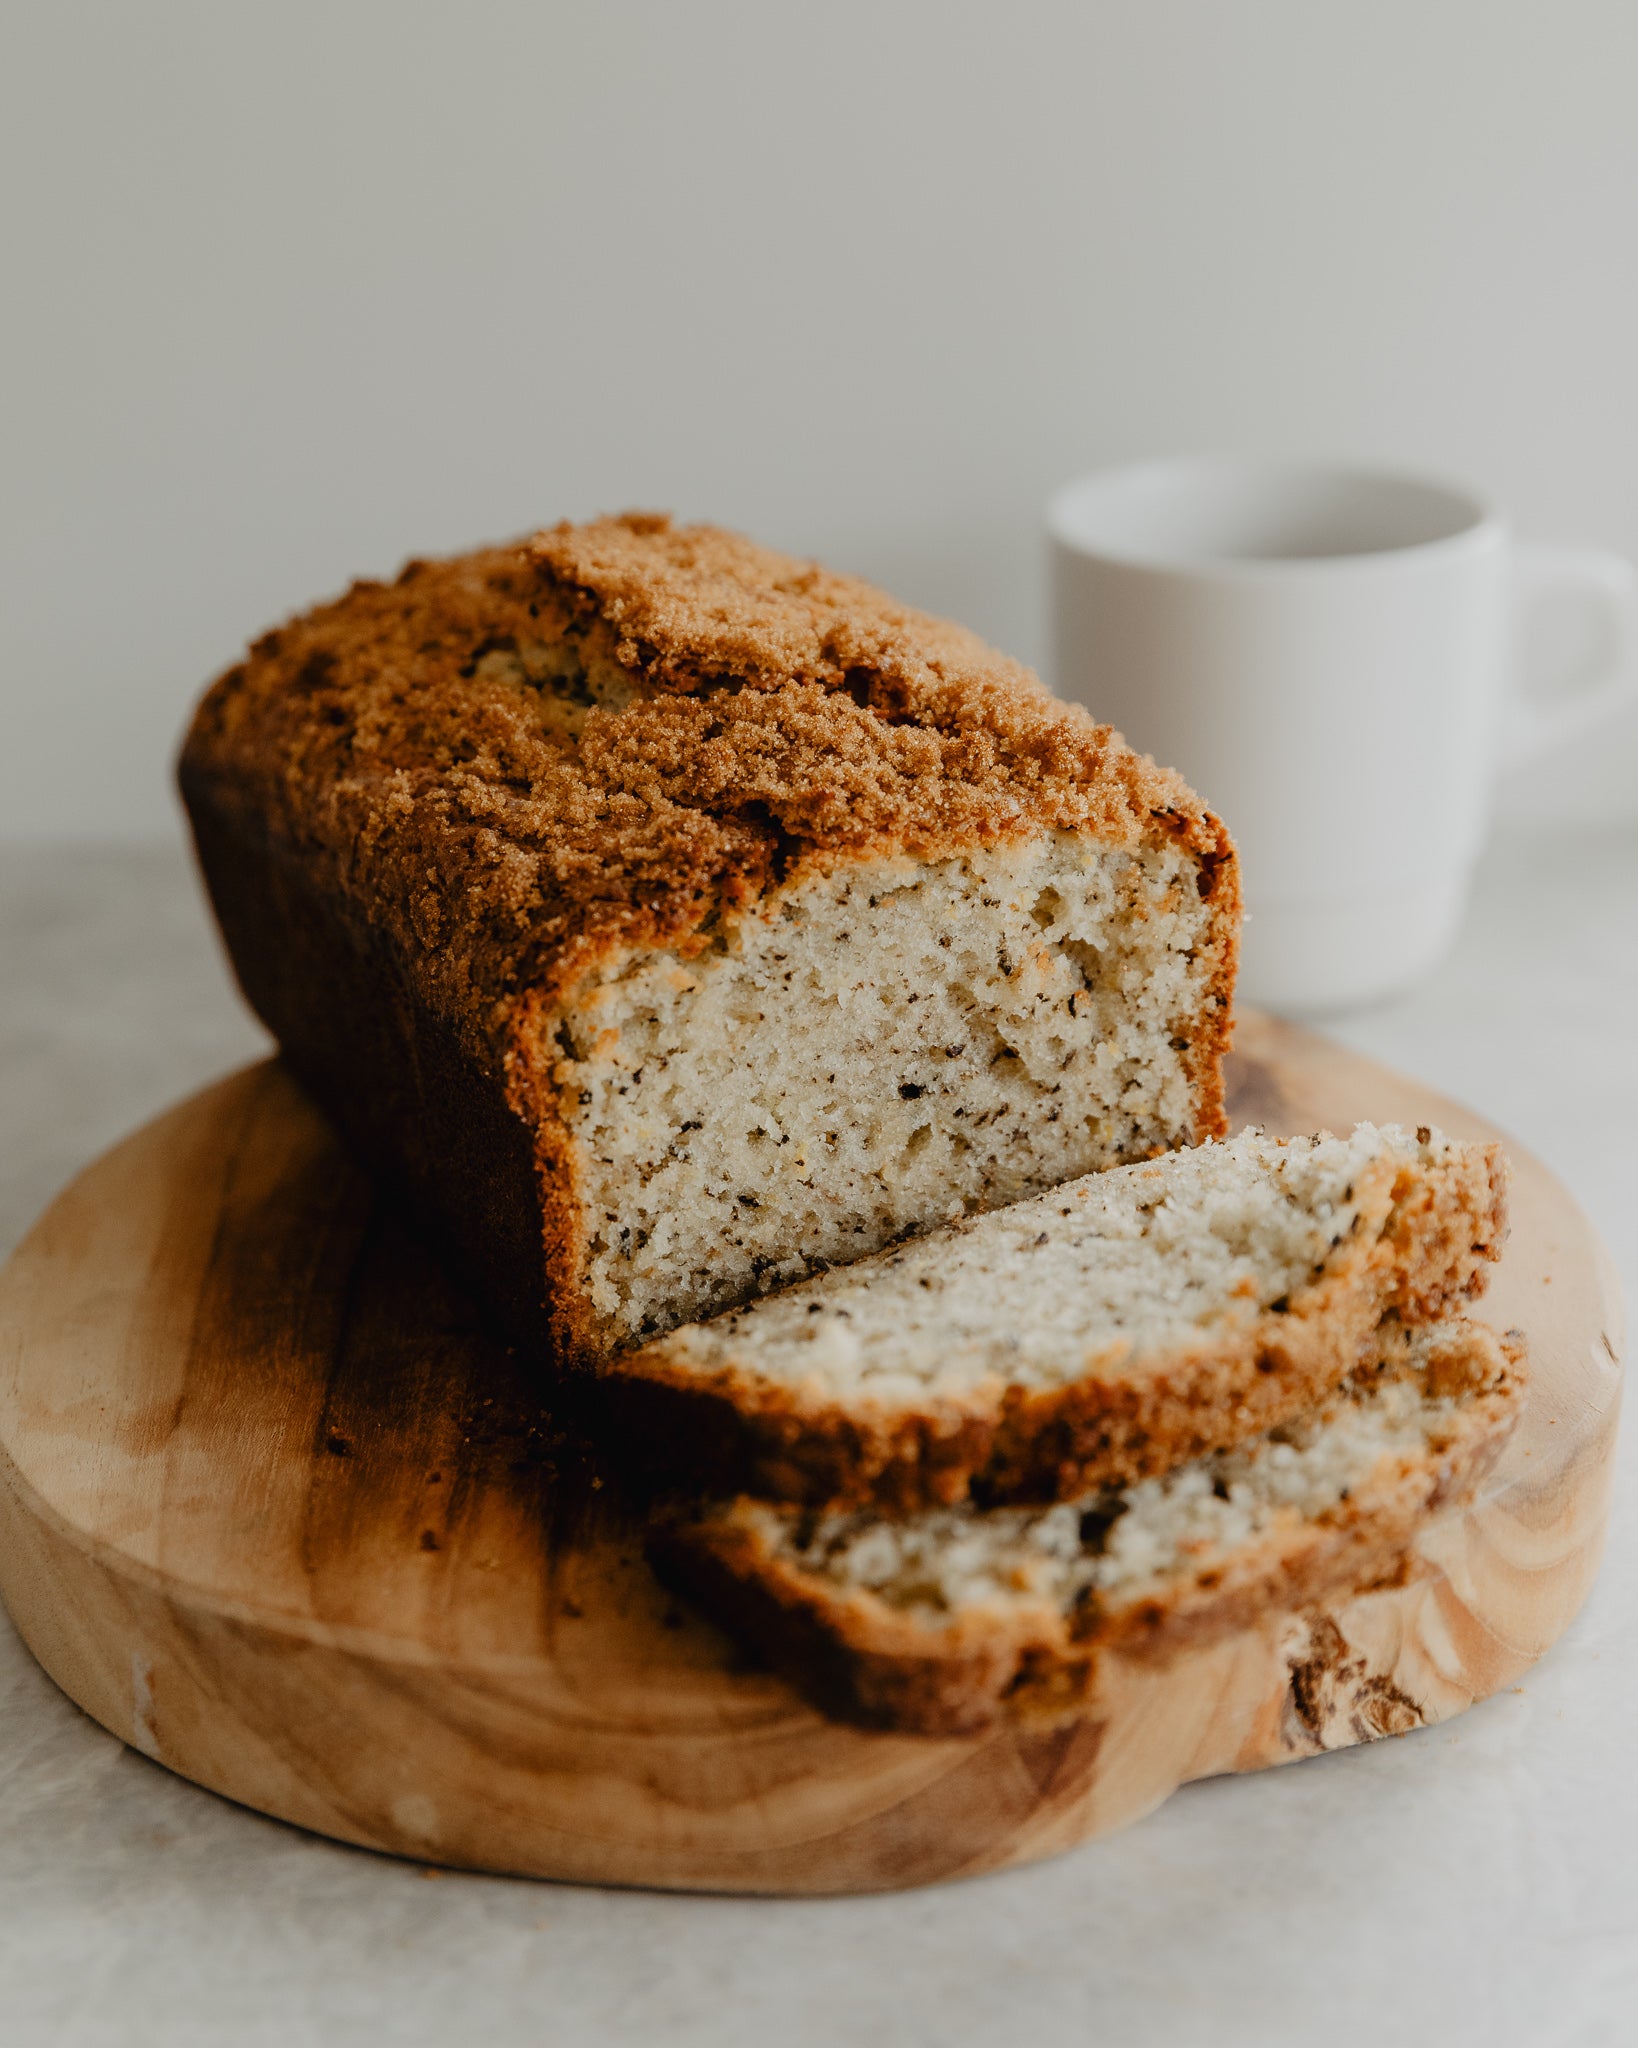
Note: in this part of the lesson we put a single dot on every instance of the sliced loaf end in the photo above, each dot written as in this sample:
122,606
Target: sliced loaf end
875,1049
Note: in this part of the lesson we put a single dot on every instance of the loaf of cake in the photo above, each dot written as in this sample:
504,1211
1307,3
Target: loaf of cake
674,919
1095,1334
942,1622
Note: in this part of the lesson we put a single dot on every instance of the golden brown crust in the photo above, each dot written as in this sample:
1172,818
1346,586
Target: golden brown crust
783,717
863,1660
393,1077
475,857
1426,1239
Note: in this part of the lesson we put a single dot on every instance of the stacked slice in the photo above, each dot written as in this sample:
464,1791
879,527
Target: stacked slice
1102,1331
1136,1410
945,1620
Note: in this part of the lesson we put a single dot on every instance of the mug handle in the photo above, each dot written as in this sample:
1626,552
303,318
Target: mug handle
1608,679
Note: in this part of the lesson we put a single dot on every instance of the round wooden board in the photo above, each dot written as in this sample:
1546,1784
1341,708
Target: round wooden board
275,1512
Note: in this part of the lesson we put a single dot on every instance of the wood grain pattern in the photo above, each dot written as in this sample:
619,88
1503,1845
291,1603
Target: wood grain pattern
276,1511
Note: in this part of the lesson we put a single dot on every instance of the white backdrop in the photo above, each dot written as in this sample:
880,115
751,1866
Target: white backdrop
292,291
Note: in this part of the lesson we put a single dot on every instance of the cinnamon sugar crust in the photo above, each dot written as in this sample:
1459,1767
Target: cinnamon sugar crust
775,714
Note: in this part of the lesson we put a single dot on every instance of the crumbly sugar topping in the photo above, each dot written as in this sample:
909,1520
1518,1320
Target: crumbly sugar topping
521,761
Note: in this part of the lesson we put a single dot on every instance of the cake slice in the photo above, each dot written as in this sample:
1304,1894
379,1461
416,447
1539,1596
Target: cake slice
948,1620
1091,1335
672,917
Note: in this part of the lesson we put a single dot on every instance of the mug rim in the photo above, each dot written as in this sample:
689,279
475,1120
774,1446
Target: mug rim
1476,520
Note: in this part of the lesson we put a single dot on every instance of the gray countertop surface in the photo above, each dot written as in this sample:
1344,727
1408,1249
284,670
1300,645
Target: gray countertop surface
1476,1882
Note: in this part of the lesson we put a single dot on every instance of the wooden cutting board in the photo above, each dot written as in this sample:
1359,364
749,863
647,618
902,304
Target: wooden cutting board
275,1512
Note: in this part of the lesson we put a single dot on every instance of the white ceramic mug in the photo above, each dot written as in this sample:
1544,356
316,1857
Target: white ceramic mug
1327,654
